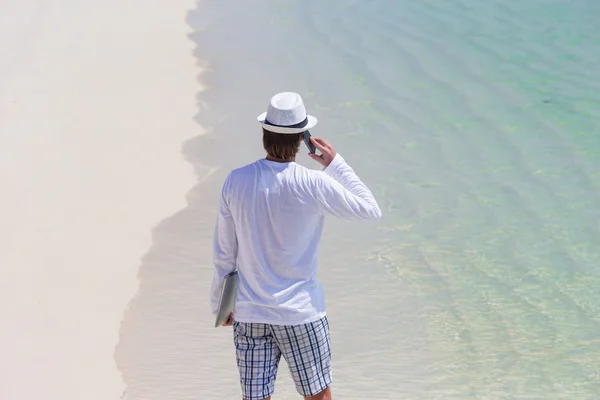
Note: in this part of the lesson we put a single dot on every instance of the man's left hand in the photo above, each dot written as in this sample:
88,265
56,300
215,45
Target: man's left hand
229,321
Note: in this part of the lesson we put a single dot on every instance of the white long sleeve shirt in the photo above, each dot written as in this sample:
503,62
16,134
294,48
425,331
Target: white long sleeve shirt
269,227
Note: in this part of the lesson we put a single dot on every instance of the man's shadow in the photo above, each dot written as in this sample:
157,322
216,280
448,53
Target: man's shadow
168,348
166,334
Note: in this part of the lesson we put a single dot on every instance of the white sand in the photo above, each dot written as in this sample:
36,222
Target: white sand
96,99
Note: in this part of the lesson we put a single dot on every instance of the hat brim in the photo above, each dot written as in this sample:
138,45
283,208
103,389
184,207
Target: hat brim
312,121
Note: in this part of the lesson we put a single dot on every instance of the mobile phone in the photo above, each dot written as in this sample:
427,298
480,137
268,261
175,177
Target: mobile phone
308,143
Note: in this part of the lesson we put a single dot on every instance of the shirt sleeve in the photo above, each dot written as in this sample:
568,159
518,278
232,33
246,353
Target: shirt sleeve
340,193
225,247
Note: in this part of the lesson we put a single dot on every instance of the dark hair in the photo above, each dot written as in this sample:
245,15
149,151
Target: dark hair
280,145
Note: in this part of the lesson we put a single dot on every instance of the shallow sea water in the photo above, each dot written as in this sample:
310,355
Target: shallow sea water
476,124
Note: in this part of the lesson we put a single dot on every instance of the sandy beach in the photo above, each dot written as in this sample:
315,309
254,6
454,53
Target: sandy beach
96,99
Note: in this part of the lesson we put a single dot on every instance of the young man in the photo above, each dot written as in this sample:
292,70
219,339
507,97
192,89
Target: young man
269,227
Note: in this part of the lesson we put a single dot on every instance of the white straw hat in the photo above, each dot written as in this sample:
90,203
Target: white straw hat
286,114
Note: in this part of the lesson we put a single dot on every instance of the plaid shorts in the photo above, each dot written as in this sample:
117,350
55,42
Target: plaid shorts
306,349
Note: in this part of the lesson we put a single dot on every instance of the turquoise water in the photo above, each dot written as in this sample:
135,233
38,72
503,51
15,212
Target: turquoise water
477,126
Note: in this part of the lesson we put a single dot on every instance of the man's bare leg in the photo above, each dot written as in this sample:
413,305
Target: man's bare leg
323,395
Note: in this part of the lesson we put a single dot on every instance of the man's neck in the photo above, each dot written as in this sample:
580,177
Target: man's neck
280,160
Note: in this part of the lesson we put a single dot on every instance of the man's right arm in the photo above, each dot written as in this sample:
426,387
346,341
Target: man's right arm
340,192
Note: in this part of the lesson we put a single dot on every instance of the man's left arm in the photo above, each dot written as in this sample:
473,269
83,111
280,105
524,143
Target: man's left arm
225,247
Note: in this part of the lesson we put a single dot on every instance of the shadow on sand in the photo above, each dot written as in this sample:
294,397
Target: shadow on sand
166,337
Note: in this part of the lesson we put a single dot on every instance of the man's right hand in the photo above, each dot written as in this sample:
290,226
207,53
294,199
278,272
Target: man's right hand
328,153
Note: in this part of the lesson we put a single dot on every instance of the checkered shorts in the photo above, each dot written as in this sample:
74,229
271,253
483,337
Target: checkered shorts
306,349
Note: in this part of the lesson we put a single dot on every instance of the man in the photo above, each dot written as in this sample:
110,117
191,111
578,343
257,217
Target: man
269,227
